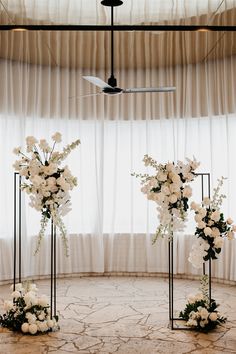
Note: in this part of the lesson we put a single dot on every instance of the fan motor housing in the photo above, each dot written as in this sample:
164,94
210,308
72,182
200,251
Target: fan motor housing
112,90
111,2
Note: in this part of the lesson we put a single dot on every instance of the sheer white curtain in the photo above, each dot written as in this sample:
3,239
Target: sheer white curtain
111,224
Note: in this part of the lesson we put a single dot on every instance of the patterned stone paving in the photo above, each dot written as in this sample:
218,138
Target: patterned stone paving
123,315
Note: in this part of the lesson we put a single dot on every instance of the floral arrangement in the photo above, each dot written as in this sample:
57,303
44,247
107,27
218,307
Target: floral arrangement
169,188
27,312
47,183
211,228
200,312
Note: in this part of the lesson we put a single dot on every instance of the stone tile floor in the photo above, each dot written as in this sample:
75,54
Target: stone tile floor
123,315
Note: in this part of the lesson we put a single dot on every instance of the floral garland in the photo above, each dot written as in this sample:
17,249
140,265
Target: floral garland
211,228
200,313
169,188
47,183
28,312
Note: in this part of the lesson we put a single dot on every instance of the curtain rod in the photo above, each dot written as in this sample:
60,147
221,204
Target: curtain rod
175,28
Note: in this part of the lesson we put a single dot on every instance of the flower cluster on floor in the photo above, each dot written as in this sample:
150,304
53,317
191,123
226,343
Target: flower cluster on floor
28,312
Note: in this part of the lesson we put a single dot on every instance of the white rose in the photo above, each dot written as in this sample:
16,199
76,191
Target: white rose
33,328
218,242
213,316
31,317
144,189
33,287
175,178
162,177
169,167
230,235
229,221
203,313
215,232
25,327
215,216
206,201
42,326
201,225
43,301
173,199
187,192
16,294
194,206
8,305
56,137
202,212
207,231
50,323
198,218
165,189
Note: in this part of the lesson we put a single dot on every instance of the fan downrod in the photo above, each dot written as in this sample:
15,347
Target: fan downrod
111,2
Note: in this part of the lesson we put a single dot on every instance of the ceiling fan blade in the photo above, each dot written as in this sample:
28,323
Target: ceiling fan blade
84,96
96,81
150,89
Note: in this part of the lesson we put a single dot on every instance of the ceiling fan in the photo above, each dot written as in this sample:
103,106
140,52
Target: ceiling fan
110,88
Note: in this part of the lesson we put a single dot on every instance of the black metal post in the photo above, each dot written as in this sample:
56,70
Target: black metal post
55,274
17,219
19,229
53,271
171,267
14,236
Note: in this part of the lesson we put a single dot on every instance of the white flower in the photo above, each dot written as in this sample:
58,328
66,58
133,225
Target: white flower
169,167
8,305
215,232
162,177
33,328
230,235
31,317
207,231
202,212
41,316
56,137
234,228
218,242
191,323
187,192
173,199
50,323
198,218
43,301
16,294
229,221
201,225
33,287
25,327
30,141
215,216
203,313
203,323
206,201
30,299
17,150
194,206
42,326
213,316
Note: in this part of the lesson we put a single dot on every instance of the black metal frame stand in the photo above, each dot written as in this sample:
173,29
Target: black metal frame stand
18,232
171,266
17,222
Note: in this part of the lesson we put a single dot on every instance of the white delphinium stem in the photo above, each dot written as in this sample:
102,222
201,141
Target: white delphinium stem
217,198
43,223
